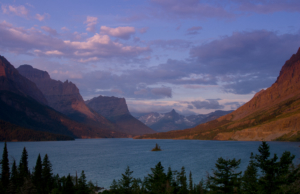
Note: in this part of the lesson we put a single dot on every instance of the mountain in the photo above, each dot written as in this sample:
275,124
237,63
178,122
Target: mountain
11,80
24,105
64,97
163,122
116,110
272,114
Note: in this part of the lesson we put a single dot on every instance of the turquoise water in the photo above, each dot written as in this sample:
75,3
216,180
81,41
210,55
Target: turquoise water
106,159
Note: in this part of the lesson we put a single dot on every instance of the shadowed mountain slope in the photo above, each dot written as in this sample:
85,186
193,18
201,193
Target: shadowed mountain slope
272,114
65,98
11,80
116,110
23,104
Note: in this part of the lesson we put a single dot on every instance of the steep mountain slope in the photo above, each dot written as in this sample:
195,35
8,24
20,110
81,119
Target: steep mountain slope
11,132
271,114
116,110
23,104
11,80
163,122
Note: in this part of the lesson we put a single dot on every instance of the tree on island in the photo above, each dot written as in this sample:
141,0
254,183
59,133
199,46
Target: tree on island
157,148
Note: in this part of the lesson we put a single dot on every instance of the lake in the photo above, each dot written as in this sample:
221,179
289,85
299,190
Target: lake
106,159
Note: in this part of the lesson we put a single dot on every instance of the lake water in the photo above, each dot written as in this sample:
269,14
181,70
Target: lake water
106,159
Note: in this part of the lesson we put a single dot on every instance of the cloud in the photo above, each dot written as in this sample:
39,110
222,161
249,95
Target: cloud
173,44
49,30
15,10
266,7
33,41
143,30
91,23
191,9
245,62
207,104
42,17
120,32
166,92
193,30
234,105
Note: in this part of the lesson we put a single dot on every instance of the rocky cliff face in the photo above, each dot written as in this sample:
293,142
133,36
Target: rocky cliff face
108,106
116,110
62,96
272,114
11,80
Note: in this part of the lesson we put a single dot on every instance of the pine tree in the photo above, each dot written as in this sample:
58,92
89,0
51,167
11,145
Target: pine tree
191,183
182,181
23,168
125,184
273,173
68,186
225,180
14,178
156,182
250,178
37,174
5,173
47,181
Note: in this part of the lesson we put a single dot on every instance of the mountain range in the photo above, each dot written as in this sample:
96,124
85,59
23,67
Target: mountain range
162,122
49,109
272,114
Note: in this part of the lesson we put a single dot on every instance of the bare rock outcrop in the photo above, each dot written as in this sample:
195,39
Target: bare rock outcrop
116,110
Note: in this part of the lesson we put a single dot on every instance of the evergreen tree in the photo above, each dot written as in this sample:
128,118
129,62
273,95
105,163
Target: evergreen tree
68,186
225,180
23,166
5,173
191,183
182,181
47,181
273,173
156,182
250,181
14,178
82,186
37,174
125,184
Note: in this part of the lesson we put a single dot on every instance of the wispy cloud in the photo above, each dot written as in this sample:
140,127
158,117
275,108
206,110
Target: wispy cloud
15,10
42,17
91,23
120,32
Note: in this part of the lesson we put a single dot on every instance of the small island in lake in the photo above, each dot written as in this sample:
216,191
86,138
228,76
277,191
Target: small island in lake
157,148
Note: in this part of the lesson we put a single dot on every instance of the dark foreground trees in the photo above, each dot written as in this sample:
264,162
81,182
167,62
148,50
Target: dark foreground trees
264,175
41,180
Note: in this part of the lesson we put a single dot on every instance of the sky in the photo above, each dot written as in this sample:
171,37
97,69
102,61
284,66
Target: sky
194,56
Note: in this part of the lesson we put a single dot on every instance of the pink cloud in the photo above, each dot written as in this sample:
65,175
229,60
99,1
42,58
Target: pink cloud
49,30
42,17
91,23
120,32
33,41
194,30
16,10
143,30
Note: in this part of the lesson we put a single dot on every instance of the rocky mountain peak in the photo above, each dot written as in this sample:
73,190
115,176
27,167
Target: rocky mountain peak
13,81
108,106
32,73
